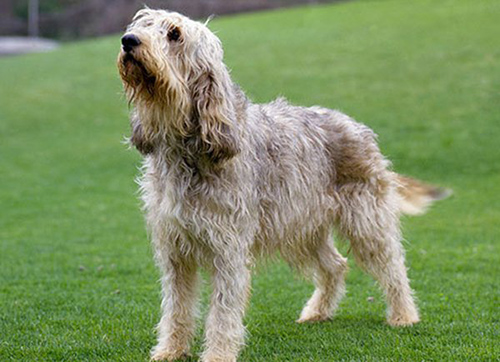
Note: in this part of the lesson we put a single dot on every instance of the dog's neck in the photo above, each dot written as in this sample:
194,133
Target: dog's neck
171,135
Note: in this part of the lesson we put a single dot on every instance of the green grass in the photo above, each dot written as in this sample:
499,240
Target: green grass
77,281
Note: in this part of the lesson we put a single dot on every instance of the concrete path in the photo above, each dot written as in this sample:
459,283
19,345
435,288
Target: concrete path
11,45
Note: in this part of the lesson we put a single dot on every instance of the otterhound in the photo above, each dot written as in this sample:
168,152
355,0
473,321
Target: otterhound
226,180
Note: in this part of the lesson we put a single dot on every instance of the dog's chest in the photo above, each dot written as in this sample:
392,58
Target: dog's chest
179,197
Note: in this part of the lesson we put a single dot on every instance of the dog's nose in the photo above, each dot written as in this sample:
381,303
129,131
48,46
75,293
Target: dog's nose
129,41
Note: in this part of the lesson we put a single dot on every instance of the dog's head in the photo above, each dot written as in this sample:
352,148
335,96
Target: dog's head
173,72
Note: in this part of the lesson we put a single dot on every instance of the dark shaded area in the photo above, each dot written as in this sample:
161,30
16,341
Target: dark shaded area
68,19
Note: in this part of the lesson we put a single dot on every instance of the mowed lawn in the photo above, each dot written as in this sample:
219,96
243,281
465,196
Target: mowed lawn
77,280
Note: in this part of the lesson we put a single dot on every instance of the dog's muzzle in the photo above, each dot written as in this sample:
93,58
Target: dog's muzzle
129,42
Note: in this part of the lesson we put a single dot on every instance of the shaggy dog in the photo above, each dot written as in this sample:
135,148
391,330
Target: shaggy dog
226,181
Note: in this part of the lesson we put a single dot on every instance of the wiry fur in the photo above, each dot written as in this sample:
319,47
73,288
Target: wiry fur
226,180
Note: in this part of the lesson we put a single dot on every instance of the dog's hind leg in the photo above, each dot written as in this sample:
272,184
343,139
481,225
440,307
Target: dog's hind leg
330,269
368,217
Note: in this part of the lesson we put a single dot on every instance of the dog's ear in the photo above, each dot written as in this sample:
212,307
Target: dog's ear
214,111
138,138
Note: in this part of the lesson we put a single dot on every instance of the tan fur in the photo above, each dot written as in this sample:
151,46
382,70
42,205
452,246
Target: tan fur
226,181
418,196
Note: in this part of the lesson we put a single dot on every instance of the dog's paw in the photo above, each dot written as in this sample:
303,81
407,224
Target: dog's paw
210,357
168,355
312,317
312,312
403,320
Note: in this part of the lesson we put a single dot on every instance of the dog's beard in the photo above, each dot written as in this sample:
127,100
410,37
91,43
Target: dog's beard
163,103
137,76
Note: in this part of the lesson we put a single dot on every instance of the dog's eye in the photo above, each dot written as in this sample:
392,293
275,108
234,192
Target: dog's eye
174,34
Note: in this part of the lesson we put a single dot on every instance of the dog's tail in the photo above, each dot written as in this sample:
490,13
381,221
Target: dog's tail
417,196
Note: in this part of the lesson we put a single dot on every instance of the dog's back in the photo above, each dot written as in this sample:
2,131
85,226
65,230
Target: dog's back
308,162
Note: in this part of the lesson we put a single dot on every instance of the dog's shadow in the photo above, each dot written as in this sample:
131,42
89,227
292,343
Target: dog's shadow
286,337
305,342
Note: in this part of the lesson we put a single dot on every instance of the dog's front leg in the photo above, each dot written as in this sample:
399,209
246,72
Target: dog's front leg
177,324
224,335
